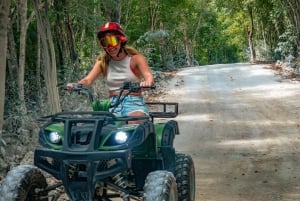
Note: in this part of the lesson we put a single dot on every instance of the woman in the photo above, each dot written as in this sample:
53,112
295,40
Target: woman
117,65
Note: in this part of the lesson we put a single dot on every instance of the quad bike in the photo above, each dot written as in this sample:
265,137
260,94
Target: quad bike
96,155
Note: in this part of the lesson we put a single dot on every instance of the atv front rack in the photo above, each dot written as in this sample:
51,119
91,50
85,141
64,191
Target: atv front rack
105,116
162,109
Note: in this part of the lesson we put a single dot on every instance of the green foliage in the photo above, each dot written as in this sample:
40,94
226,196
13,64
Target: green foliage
171,34
151,45
287,44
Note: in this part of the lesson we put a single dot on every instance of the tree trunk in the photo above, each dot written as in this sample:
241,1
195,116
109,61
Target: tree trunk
293,11
4,12
186,44
196,31
12,60
38,67
22,53
112,10
66,41
250,32
153,8
49,60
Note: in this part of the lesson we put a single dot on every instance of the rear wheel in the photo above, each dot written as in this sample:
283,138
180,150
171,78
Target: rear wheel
185,177
24,183
160,186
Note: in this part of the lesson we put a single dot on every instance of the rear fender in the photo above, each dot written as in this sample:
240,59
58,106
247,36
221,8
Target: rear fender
165,133
145,148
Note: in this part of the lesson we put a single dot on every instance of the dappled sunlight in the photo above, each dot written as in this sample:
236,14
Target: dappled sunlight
242,127
278,140
209,181
196,100
250,123
189,71
259,122
258,83
294,194
269,90
195,117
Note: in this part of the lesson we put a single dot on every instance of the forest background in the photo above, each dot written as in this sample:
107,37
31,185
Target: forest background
45,44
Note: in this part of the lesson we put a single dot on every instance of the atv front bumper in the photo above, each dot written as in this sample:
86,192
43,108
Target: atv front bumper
81,171
88,165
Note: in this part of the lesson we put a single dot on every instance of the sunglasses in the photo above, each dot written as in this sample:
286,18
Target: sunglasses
110,40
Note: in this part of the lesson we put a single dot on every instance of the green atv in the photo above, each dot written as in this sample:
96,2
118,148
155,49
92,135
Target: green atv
95,155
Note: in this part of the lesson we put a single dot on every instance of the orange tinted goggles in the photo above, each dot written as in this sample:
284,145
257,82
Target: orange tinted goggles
111,40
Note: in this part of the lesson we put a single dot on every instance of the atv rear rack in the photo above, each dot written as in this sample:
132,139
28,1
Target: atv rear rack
162,109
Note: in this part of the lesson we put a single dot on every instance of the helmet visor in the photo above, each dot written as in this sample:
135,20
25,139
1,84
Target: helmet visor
109,40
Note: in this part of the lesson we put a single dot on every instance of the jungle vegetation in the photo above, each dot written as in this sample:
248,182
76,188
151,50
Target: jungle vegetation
45,43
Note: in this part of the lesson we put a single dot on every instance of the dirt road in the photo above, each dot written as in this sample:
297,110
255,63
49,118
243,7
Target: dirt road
242,127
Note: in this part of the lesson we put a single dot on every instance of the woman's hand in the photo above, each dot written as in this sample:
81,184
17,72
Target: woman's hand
70,86
146,84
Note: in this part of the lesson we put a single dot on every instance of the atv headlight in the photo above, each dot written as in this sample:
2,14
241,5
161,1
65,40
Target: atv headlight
54,137
121,137
118,137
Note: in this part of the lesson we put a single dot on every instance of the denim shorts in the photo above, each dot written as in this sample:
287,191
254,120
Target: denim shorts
128,105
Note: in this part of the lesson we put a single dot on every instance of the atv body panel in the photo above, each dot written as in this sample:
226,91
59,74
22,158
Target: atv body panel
88,152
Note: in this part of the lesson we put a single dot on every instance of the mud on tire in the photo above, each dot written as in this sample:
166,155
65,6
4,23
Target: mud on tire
185,177
160,186
22,183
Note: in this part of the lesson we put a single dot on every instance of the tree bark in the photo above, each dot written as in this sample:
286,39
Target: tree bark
22,53
250,32
186,43
49,59
153,10
38,67
112,10
4,12
293,8
12,58
67,53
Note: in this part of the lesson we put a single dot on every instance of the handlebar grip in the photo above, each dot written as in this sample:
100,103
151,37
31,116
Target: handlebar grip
74,87
77,87
150,87
135,85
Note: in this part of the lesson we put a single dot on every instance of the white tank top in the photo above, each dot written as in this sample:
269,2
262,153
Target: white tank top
119,72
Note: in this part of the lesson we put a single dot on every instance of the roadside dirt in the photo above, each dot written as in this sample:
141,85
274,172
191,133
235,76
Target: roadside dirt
241,125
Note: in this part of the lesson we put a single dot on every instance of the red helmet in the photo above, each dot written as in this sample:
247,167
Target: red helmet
112,27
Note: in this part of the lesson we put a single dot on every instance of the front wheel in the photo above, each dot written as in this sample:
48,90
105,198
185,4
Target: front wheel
24,183
185,177
160,186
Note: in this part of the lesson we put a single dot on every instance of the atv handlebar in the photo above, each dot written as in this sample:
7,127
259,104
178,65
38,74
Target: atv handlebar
129,86
80,88
125,90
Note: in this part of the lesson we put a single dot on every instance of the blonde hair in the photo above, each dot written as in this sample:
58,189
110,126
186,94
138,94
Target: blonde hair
105,58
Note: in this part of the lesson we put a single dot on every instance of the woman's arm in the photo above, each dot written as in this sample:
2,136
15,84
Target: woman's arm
140,63
92,75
